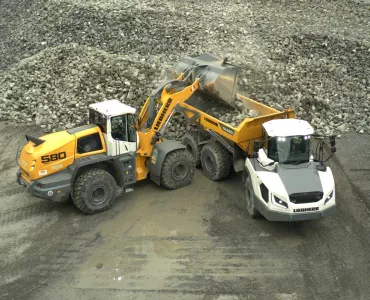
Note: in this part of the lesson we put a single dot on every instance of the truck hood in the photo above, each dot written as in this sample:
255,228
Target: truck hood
297,180
300,179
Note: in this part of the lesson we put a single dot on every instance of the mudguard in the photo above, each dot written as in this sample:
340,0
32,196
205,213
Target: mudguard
158,155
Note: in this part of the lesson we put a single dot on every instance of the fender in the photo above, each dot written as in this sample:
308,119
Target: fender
94,159
158,155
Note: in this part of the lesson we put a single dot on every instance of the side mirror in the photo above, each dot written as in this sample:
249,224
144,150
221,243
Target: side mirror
332,141
256,147
132,134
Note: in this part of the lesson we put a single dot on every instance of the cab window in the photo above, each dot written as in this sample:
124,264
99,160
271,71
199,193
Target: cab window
98,119
131,128
119,128
89,143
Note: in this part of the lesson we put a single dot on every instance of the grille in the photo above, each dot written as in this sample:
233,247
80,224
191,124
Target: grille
301,198
25,173
264,192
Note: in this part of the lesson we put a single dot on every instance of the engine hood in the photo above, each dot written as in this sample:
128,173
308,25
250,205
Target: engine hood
300,179
52,142
54,153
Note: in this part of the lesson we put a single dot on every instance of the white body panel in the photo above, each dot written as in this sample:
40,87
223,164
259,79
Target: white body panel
116,147
112,108
276,187
287,127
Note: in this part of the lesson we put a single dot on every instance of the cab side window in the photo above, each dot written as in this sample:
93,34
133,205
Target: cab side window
89,143
131,128
119,128
272,151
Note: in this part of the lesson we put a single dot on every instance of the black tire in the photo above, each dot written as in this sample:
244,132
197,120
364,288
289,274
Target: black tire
190,140
178,169
94,191
216,161
249,198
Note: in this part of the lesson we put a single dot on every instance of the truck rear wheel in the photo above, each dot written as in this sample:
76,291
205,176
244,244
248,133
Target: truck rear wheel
216,161
94,191
190,140
178,169
249,197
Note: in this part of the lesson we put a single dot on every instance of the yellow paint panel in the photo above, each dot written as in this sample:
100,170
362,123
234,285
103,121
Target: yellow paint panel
87,132
52,156
141,169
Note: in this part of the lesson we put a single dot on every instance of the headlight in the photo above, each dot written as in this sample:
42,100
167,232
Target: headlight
43,172
280,202
329,197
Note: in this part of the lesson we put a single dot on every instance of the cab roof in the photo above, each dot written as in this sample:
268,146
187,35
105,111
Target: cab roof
112,108
288,127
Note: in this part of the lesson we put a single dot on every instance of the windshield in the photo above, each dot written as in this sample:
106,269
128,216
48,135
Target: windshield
98,119
289,150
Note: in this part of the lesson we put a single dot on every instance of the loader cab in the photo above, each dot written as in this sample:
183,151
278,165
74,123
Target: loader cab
117,123
286,141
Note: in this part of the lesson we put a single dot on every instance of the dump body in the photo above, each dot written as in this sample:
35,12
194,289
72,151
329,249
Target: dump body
248,130
217,81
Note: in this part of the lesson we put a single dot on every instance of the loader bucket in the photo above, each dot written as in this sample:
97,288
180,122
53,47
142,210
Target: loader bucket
218,78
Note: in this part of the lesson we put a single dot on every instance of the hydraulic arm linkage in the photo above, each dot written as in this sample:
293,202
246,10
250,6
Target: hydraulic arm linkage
161,105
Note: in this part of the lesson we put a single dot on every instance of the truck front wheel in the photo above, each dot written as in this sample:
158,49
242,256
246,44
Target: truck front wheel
178,169
216,161
94,191
249,196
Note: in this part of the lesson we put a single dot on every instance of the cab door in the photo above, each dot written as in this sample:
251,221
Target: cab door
122,135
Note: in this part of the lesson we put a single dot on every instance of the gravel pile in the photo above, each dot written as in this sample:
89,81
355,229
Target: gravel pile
54,88
56,57
326,80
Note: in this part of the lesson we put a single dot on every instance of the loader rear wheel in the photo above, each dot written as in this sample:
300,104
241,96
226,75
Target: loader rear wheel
178,169
94,191
216,161
190,140
249,197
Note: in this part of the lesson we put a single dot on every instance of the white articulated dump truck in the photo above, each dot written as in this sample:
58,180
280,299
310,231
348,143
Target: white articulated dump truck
283,181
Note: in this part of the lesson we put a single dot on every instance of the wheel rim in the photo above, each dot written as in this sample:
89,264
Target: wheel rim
180,170
98,195
209,164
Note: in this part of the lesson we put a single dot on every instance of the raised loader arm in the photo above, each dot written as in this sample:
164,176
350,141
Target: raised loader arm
207,73
161,105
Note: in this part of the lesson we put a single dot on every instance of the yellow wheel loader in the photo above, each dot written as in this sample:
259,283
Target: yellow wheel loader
116,149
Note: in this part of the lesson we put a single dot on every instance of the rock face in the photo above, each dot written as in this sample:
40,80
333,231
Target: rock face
57,57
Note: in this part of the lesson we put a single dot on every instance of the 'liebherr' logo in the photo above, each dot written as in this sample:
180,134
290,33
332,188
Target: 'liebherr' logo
306,209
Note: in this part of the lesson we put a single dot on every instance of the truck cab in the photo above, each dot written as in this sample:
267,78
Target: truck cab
284,182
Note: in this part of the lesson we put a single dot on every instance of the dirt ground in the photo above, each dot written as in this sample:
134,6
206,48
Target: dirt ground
194,243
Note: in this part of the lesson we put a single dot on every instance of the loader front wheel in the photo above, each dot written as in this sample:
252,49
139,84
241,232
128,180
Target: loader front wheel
178,169
249,196
216,161
190,140
94,191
